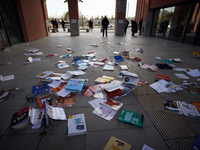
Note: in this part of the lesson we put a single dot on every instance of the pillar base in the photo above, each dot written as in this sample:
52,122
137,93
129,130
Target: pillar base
119,28
74,27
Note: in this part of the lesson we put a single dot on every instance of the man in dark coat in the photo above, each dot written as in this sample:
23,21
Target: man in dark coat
134,26
105,23
90,24
140,26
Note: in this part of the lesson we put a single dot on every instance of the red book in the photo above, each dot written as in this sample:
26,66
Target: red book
115,93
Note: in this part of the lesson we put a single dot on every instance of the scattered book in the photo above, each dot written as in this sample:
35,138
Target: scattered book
75,85
115,105
159,76
197,105
104,79
21,118
76,125
117,144
68,101
172,106
131,118
40,89
5,95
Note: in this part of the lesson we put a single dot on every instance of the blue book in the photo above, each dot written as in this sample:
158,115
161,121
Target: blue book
75,85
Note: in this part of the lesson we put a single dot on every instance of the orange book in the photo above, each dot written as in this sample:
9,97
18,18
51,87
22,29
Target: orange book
40,101
197,105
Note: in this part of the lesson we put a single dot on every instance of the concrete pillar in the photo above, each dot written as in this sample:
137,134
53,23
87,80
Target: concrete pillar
73,17
120,13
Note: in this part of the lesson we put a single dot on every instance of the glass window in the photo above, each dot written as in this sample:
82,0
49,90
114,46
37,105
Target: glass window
179,22
192,26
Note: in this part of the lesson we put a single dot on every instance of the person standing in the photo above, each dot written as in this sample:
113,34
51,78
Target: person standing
105,23
56,23
140,26
90,24
126,25
63,24
134,26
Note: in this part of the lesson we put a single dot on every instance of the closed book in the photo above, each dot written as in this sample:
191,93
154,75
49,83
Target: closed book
117,144
76,125
21,118
131,117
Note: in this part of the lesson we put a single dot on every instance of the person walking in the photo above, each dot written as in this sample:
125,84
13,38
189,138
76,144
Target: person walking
105,23
126,25
134,26
63,24
90,25
140,26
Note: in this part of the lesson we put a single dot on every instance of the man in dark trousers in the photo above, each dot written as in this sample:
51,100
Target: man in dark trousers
90,24
105,24
140,26
134,26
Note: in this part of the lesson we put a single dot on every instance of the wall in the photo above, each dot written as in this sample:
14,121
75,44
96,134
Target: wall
1,46
32,19
162,3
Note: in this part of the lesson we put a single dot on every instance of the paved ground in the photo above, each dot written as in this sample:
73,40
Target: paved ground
99,130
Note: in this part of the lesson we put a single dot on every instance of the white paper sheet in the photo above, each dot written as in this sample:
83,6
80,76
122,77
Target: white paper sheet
63,92
54,84
181,76
194,73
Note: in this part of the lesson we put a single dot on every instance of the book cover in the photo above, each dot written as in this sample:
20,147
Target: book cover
95,88
5,95
21,118
131,118
68,101
172,106
87,92
115,105
197,105
76,125
40,89
115,93
117,144
41,100
75,85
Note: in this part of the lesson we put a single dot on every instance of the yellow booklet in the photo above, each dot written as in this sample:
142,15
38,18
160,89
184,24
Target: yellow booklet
117,144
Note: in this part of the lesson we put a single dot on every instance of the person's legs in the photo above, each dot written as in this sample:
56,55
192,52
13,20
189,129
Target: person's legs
103,31
106,32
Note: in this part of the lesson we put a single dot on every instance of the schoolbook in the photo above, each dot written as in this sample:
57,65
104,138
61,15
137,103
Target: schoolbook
117,144
75,85
172,106
131,118
76,125
21,118
115,105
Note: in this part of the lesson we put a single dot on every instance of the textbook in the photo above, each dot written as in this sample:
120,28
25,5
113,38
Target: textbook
172,106
115,105
21,118
68,101
40,89
131,118
117,144
76,125
75,85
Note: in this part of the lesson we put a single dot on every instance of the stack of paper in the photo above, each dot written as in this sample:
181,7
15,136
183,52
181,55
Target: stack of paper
76,125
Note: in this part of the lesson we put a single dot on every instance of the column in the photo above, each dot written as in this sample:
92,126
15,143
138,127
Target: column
120,13
73,17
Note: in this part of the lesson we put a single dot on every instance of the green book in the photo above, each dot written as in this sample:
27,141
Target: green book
131,117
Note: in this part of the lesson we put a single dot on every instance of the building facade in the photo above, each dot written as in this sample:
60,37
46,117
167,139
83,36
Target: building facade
176,20
22,21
